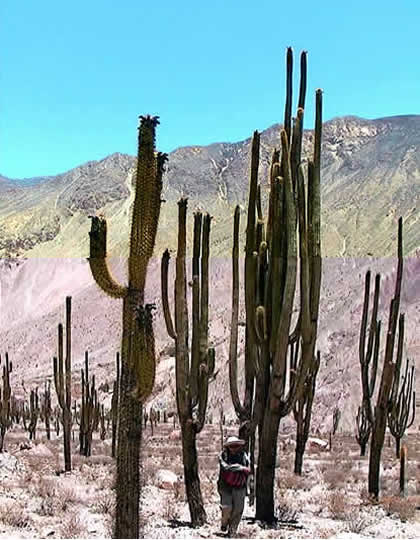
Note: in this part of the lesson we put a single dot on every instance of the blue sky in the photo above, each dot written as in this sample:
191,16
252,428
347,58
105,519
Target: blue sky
74,76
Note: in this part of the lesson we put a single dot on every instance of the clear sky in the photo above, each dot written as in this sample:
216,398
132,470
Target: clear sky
75,76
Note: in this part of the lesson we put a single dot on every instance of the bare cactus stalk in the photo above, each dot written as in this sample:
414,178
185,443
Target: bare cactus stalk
403,463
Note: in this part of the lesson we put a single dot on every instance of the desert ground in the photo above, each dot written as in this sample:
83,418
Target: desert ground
329,500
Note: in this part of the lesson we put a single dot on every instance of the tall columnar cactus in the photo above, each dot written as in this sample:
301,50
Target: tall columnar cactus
402,406
34,411
46,410
5,393
137,350
62,381
115,406
388,373
89,410
195,364
273,255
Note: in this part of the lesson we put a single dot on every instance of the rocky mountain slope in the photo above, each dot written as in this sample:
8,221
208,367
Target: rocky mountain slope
370,176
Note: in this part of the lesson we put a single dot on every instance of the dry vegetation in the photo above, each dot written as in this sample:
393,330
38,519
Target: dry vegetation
37,499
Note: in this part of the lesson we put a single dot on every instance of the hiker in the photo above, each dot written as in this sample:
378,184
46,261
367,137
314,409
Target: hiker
234,471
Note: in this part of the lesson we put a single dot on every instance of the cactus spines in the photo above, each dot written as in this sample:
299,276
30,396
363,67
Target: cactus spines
192,376
62,381
137,348
5,394
402,406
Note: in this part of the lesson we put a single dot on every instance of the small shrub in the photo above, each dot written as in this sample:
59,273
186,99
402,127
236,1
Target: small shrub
15,515
72,527
402,507
334,479
105,504
66,496
285,512
338,506
356,523
48,506
170,510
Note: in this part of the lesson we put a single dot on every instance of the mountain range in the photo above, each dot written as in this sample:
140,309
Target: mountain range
370,176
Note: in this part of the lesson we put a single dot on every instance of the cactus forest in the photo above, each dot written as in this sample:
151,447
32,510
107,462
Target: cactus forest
126,443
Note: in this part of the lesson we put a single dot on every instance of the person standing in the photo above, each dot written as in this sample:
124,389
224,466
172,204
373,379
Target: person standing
233,474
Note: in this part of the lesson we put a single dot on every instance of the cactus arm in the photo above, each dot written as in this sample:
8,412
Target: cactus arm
165,301
233,344
204,295
279,359
250,256
145,344
97,259
196,330
289,87
181,315
205,372
303,79
314,212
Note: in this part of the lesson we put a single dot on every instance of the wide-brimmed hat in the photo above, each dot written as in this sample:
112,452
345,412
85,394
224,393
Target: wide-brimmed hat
234,441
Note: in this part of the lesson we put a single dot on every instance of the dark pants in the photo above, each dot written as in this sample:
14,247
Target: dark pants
232,501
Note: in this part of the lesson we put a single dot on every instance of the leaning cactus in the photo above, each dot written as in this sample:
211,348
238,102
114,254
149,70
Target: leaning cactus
137,349
195,363
5,393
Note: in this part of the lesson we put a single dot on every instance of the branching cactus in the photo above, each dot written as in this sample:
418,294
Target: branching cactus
62,381
389,370
195,364
115,407
89,410
137,349
402,407
274,252
5,394
363,429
